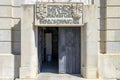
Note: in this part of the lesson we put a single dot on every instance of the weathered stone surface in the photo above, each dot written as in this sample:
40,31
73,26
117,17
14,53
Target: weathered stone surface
28,43
5,2
112,47
5,11
6,79
5,35
16,12
113,11
111,66
9,66
6,66
5,23
113,35
90,33
28,72
18,2
113,2
5,47
113,23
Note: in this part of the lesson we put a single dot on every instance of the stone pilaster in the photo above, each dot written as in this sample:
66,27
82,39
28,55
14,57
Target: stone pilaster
28,43
89,42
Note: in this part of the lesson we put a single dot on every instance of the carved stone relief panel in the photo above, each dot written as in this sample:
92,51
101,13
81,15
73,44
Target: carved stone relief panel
83,1
58,13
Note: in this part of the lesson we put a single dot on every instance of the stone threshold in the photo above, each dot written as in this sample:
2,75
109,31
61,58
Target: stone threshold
50,76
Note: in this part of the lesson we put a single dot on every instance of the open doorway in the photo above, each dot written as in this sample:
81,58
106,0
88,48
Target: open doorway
48,49
59,50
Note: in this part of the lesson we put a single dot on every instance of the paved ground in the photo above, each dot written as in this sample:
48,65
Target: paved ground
51,76
50,72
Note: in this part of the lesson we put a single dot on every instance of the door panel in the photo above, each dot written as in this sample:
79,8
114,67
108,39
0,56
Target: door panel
40,47
48,42
69,50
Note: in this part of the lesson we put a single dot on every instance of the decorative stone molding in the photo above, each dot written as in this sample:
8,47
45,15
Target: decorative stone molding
82,1
41,11
58,13
76,9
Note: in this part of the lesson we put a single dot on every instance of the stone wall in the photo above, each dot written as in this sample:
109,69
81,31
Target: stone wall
10,16
6,57
113,26
109,41
111,68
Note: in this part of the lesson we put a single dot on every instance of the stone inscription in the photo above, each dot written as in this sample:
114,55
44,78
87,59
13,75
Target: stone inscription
59,13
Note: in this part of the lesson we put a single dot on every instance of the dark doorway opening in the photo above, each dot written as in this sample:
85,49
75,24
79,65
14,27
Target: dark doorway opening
48,49
59,50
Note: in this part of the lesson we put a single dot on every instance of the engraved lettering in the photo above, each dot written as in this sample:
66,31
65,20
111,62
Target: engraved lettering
59,13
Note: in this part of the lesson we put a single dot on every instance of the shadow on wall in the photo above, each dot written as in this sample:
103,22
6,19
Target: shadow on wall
102,26
92,1
16,46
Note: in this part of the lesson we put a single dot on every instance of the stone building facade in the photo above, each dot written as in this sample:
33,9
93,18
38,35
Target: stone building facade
98,23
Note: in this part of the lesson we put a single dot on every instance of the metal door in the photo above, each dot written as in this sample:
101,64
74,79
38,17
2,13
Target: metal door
69,50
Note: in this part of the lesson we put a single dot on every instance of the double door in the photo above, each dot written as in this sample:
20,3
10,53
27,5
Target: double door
68,49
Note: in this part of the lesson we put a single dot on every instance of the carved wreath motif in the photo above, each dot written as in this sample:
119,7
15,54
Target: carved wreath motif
76,10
